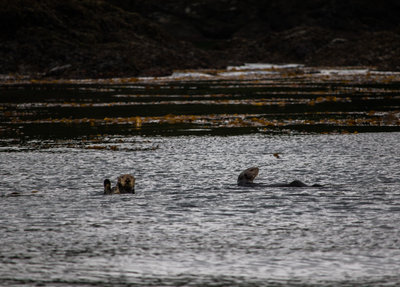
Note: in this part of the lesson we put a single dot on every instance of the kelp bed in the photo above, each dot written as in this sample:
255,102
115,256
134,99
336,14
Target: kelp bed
238,100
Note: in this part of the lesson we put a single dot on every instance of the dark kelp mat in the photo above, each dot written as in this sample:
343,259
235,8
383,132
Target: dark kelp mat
238,100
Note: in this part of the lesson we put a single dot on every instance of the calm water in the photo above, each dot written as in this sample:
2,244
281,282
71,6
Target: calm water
191,225
186,139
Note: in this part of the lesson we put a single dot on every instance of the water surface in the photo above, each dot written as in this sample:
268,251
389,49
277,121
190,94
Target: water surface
239,100
186,139
190,224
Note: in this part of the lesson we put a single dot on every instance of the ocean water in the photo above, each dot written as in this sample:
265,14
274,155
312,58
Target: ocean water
189,224
186,138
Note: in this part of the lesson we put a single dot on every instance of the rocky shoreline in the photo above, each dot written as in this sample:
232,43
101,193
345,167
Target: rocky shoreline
101,39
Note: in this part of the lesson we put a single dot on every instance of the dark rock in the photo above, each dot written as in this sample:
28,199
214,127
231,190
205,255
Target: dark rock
147,37
337,41
58,70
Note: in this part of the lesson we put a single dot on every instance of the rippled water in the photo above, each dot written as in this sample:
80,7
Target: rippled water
186,138
189,224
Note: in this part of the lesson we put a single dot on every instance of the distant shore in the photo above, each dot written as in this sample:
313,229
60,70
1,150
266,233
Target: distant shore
104,39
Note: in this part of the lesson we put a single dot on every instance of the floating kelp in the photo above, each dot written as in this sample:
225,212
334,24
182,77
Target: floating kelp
249,98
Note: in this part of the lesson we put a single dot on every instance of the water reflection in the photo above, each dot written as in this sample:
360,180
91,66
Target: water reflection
281,99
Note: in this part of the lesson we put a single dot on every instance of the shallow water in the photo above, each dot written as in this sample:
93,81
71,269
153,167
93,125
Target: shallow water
189,224
237,101
186,138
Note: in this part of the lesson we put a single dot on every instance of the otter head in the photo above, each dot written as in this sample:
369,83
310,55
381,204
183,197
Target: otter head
107,186
247,176
126,184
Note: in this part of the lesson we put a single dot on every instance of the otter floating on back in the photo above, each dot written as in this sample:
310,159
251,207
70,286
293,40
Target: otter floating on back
247,176
125,184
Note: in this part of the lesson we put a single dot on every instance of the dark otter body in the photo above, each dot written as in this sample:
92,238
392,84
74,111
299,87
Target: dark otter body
294,183
125,184
247,176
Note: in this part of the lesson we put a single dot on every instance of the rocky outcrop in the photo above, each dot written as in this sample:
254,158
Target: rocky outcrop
113,38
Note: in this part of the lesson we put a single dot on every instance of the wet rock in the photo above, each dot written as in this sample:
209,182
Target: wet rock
58,70
337,41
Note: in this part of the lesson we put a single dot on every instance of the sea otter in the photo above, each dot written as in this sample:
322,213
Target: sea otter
247,176
125,184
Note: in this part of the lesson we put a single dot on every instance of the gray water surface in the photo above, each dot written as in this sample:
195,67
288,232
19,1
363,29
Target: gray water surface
190,224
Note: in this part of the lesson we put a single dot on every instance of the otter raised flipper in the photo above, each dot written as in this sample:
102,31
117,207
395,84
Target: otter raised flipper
247,176
107,186
125,184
